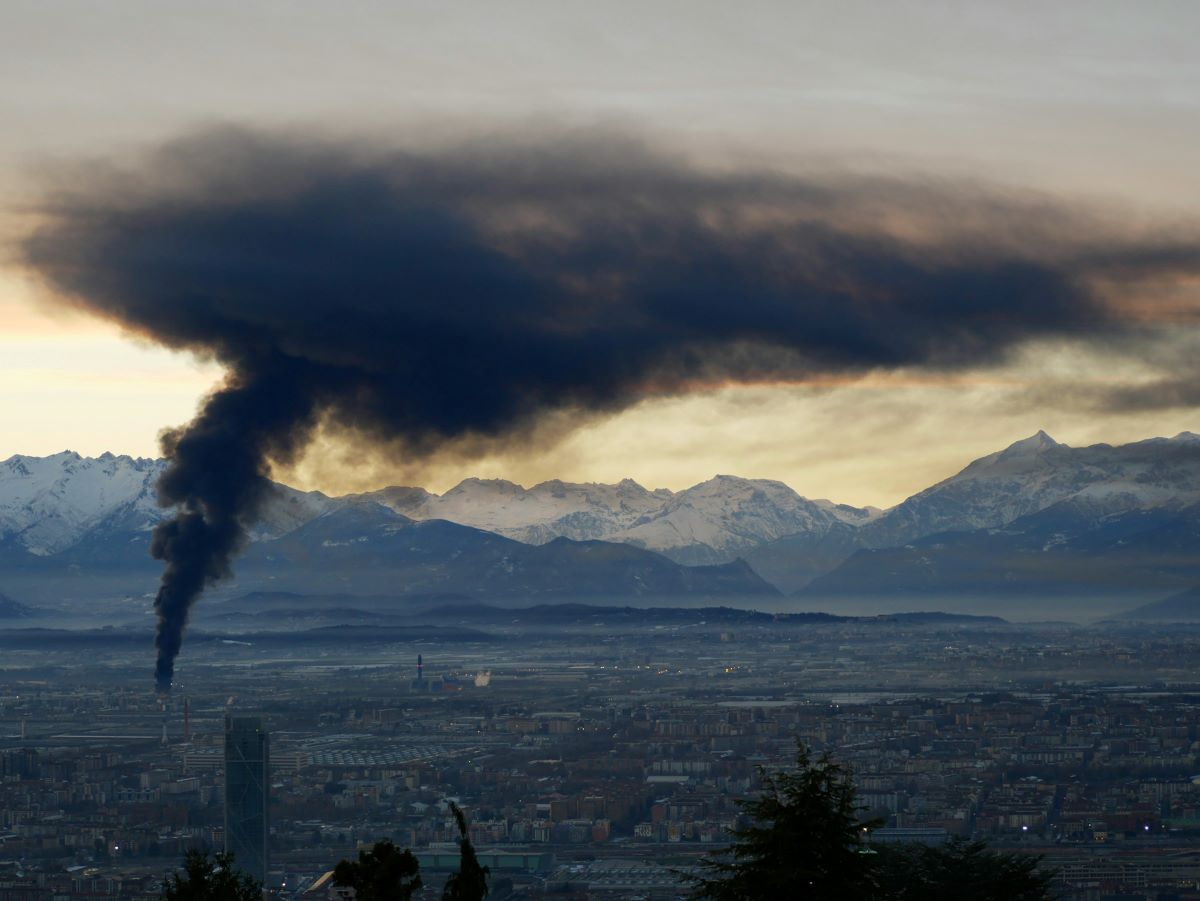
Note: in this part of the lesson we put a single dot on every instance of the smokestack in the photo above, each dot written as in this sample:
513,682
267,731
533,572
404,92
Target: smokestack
418,684
187,722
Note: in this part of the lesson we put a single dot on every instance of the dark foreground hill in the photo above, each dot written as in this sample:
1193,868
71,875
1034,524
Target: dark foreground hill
10,609
283,610
1183,607
1072,549
376,550
368,549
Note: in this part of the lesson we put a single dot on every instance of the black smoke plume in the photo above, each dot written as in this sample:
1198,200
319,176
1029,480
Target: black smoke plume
466,294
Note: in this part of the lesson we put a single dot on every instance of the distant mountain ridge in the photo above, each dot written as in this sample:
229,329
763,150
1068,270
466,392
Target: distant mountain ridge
1037,473
1035,517
1066,549
1038,519
712,522
380,550
1183,607
47,504
10,609
304,610
50,504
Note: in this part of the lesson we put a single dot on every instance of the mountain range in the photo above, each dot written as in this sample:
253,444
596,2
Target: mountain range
1038,519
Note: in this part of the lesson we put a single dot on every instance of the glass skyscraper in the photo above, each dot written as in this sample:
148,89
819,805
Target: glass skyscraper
247,779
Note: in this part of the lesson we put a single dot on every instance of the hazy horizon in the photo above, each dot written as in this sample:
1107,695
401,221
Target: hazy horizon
440,489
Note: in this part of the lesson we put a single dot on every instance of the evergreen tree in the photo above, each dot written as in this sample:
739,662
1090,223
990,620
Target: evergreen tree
384,873
804,842
959,870
210,879
470,882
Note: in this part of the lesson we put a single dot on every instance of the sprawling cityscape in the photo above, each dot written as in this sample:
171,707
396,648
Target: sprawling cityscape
602,762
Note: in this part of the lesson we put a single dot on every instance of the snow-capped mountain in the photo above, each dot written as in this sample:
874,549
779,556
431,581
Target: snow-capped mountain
92,513
378,551
708,523
47,504
535,515
1040,522
1038,472
51,504
726,516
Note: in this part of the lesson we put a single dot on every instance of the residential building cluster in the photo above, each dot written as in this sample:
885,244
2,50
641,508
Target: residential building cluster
590,763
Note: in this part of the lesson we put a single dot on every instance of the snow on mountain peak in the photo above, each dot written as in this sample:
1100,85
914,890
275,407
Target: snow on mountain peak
630,484
726,515
709,522
492,486
1039,441
1037,453
1038,472
537,515
48,503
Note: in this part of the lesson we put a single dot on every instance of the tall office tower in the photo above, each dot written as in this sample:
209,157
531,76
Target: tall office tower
247,775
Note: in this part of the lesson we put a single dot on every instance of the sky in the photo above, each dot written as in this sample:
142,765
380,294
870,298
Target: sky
1087,107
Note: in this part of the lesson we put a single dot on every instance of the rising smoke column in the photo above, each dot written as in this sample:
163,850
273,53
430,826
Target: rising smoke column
217,482
428,299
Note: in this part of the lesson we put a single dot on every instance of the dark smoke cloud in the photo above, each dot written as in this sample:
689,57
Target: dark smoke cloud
469,293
